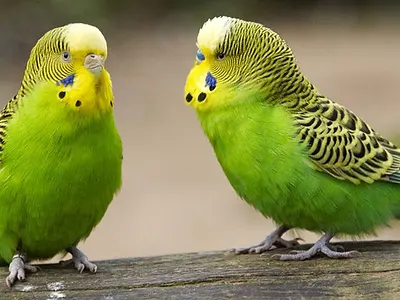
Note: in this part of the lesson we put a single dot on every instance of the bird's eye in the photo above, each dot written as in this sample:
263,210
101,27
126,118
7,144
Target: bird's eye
220,55
199,55
66,56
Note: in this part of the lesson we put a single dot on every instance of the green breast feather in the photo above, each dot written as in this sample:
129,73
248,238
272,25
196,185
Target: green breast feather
59,173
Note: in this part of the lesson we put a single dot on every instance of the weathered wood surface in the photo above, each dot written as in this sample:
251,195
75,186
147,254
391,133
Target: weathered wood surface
222,275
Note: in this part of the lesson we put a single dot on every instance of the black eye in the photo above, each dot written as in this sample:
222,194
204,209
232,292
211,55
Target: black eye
66,56
220,55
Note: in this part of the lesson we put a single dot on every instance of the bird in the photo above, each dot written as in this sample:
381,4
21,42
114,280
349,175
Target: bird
293,154
60,151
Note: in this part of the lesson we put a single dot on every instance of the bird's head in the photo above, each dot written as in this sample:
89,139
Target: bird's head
235,57
73,57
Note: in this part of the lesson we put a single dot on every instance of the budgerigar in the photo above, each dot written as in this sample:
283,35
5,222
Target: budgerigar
294,155
61,153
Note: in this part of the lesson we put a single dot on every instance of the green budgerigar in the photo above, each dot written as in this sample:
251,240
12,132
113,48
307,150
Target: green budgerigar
294,155
60,151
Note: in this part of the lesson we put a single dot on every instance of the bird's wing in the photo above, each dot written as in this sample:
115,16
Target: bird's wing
6,115
344,146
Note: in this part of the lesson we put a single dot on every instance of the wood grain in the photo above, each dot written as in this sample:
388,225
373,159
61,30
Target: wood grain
222,275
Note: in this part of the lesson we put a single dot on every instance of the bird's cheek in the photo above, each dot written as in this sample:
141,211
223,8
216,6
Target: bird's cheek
200,84
69,97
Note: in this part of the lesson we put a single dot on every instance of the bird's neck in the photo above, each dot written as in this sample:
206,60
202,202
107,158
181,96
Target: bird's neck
226,121
252,142
294,92
234,124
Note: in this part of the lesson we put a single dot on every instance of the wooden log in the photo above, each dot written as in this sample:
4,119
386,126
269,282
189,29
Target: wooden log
222,275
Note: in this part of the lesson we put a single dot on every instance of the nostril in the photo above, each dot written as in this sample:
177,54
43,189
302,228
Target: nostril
202,97
92,56
189,97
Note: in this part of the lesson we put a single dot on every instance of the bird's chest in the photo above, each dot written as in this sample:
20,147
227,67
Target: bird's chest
246,159
258,159
75,179
66,203
61,187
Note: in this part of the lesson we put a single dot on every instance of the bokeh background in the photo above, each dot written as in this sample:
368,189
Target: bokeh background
175,197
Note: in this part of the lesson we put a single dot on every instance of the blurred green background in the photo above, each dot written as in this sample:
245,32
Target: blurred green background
175,197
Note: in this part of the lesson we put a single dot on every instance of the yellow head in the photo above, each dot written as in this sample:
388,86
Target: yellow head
72,57
235,56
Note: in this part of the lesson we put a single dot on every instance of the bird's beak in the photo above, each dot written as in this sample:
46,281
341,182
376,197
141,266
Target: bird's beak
94,63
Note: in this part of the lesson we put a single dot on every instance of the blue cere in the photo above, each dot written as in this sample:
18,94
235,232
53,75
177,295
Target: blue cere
69,80
211,81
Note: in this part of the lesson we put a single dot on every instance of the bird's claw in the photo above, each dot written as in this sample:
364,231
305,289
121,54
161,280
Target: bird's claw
259,248
80,261
17,270
82,264
297,255
272,240
335,248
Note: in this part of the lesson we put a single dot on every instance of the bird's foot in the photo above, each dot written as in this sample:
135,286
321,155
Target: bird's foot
80,261
17,269
321,246
274,239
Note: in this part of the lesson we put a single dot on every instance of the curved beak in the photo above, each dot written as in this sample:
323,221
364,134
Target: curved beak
94,63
